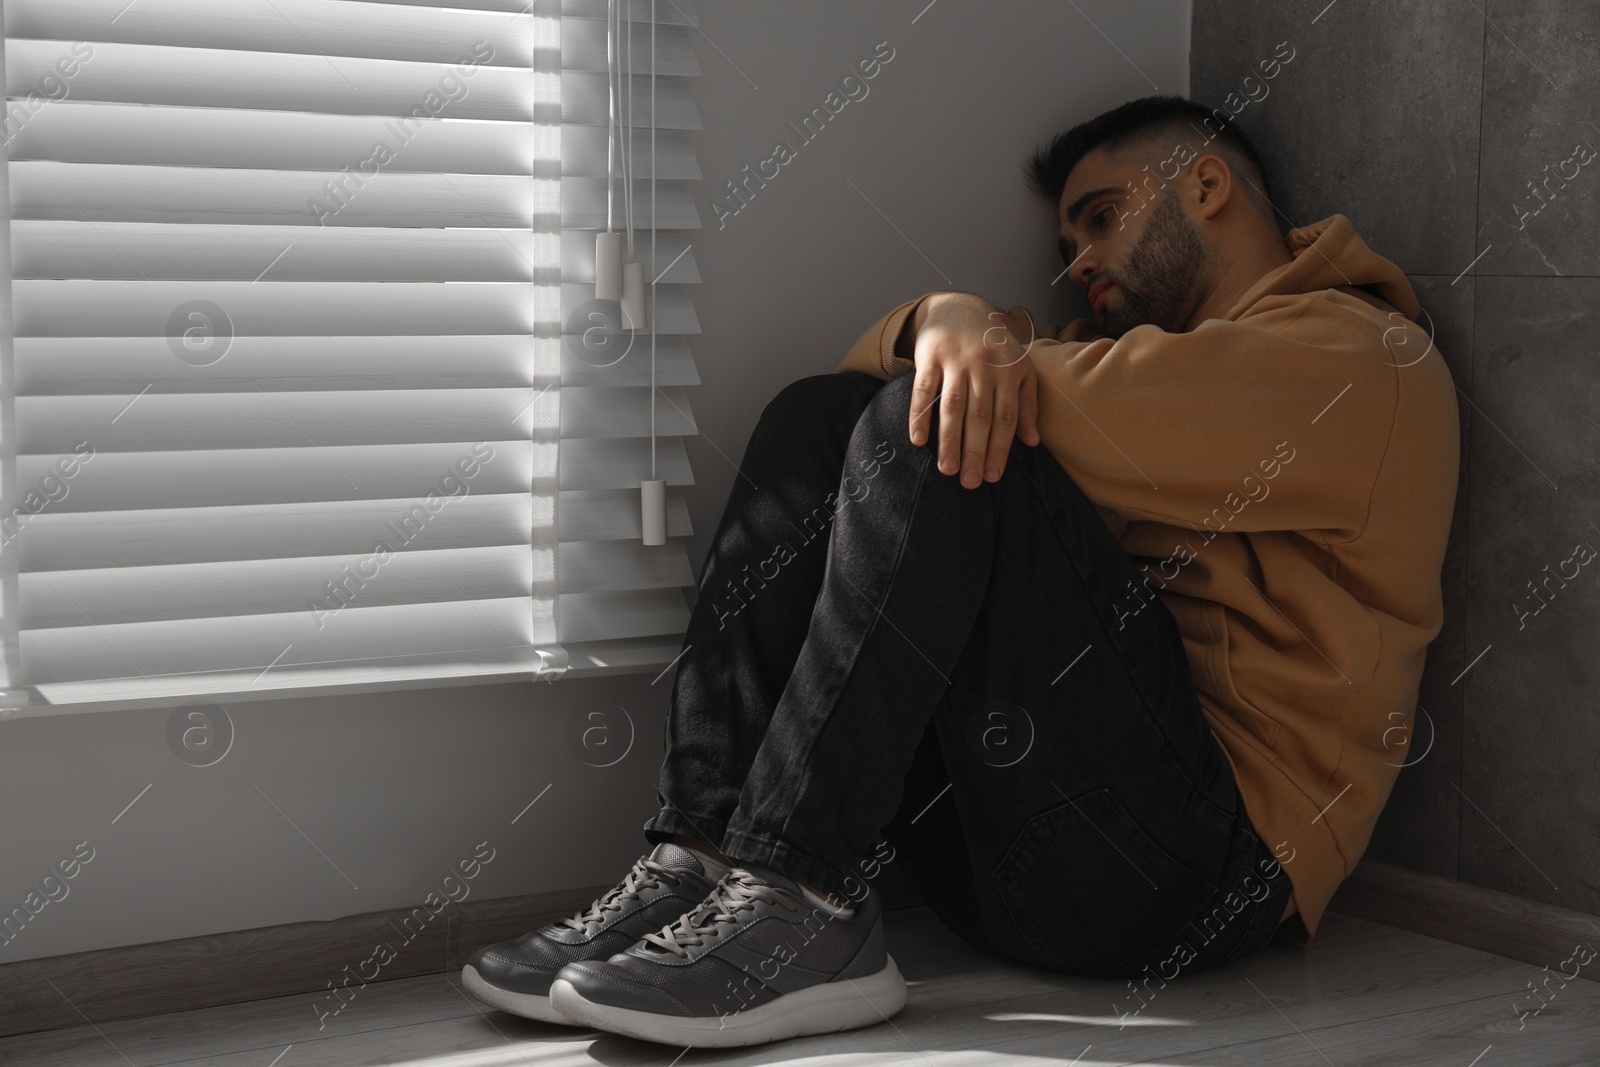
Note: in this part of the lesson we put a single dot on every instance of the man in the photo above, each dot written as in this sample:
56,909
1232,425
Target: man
1106,638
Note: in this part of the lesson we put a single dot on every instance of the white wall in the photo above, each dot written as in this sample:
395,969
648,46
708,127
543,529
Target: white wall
394,789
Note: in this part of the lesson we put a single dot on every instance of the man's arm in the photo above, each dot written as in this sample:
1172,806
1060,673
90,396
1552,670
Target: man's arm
888,347
1173,426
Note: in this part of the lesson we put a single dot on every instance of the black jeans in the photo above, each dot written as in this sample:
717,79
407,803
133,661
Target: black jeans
878,652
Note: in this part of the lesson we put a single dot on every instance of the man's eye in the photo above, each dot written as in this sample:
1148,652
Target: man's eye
1100,216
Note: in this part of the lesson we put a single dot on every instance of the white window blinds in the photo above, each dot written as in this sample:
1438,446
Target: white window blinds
285,399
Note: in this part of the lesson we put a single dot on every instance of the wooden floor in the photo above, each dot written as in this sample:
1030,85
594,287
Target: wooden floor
1364,995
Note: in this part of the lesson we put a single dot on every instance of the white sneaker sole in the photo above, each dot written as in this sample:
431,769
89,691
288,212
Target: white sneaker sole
820,1009
527,1005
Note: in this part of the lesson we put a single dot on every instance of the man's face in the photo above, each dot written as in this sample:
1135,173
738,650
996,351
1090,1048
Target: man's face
1131,246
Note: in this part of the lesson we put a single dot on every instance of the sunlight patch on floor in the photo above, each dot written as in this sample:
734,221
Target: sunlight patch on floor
1083,1020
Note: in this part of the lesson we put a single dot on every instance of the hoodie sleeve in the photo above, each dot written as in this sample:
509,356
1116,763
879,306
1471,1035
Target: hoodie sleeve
1278,421
873,352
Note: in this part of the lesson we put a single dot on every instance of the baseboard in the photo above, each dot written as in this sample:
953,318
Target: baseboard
1511,926
272,961
275,961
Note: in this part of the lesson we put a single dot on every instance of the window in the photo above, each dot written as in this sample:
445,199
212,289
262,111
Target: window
284,395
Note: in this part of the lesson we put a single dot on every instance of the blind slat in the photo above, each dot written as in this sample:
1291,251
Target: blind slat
166,422
157,422
150,251
584,101
222,478
77,308
583,203
251,643
87,132
675,13
674,254
583,153
607,616
69,366
193,77
113,192
76,132
335,28
225,477
600,566
665,12
622,462
611,515
583,47
323,591
623,412
54,542
674,313
165,536
362,636
674,365
106,192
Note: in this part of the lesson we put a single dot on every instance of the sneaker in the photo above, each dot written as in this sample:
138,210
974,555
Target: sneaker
514,976
753,963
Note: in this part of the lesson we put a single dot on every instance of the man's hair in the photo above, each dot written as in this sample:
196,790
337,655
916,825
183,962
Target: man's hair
1157,125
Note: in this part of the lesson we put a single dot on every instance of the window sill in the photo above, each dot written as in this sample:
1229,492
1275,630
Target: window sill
585,659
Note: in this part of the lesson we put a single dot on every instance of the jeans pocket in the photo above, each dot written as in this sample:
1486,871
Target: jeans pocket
1090,891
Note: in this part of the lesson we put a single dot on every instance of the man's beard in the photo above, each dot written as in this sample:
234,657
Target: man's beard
1162,271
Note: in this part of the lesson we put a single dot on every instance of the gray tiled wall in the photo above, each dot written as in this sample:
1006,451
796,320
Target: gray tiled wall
1430,124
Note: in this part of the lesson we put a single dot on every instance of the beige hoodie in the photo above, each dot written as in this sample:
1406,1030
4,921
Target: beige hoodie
1285,477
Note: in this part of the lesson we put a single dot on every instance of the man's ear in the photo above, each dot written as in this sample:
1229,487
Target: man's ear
1215,181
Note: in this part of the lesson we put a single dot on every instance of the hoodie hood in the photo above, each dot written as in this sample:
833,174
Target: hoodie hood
1331,255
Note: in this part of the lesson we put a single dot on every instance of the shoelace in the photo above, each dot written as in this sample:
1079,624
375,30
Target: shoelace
738,891
646,874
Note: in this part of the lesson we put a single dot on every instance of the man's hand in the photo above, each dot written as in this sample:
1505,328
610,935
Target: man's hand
971,357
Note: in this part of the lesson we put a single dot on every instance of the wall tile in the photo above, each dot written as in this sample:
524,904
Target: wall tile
1531,747
1378,117
1374,117
1541,76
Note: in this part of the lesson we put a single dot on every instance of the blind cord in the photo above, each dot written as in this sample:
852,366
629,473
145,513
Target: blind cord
611,109
627,137
653,259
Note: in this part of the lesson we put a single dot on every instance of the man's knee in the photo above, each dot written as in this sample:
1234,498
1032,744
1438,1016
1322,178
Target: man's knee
890,411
